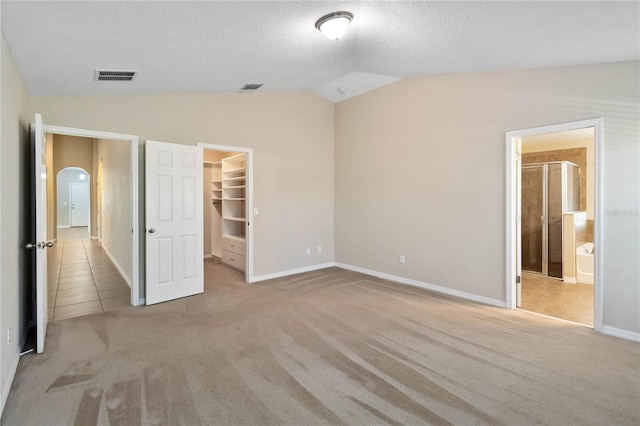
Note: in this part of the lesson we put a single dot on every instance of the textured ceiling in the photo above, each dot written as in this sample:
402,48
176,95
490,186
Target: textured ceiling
180,46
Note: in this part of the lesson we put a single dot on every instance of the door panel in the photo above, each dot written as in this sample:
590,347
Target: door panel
554,220
532,217
39,149
79,198
173,221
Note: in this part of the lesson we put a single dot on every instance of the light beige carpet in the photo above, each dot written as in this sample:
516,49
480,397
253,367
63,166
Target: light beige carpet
326,347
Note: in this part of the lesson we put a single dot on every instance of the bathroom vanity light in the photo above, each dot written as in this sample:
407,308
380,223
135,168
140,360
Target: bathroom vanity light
334,25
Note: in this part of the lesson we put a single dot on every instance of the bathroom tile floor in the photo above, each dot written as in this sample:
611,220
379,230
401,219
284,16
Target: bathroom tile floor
544,295
81,278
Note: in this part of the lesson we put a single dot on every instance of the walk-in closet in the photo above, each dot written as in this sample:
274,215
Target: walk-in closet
225,215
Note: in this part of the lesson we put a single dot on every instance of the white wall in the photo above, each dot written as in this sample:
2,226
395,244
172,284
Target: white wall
115,157
64,178
420,171
15,227
292,138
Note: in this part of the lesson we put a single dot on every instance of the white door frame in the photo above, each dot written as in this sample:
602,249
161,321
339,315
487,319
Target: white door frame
511,208
135,234
249,196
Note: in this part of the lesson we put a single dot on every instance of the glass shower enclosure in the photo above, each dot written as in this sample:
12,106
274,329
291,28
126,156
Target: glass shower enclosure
548,191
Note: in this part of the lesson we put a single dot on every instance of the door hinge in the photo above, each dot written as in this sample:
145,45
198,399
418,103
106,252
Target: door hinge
518,279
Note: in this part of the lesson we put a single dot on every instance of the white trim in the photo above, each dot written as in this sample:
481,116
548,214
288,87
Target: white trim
431,287
117,265
292,272
135,216
569,280
141,301
623,334
6,387
61,227
249,202
510,208
208,256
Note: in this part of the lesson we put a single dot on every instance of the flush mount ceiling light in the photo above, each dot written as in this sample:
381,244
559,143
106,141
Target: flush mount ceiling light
334,25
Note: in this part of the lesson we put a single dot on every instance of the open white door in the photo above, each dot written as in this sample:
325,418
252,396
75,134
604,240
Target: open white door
39,147
173,221
519,222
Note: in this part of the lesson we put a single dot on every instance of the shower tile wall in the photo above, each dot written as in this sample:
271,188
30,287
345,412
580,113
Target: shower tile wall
574,155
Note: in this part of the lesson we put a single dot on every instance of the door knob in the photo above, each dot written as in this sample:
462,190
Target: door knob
30,246
49,244
152,231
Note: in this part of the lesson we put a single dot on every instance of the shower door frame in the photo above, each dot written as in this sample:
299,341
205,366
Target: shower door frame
545,208
513,268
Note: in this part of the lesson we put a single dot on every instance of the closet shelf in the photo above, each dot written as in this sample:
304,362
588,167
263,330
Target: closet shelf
239,169
228,194
215,163
235,219
239,238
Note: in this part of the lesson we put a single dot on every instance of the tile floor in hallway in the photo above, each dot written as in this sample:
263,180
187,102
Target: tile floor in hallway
81,278
544,295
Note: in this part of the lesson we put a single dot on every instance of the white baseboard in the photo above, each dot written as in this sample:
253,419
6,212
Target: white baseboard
141,301
569,280
117,265
623,334
281,274
6,386
426,286
60,227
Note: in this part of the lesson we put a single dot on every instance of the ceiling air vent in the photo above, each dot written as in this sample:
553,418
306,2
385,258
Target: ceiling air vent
115,75
252,86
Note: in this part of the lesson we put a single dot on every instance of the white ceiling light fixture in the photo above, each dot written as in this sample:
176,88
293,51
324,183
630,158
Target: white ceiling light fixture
334,25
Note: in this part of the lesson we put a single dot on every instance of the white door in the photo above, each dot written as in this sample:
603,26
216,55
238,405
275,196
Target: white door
79,200
40,243
519,223
173,221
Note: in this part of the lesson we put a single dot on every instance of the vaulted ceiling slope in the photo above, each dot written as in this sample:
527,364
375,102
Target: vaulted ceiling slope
213,46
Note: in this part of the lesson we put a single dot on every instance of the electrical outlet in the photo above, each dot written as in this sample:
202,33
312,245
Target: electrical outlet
308,251
319,249
402,259
8,335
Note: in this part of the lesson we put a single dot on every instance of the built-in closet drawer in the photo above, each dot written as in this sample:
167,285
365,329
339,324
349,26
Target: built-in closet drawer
234,246
234,260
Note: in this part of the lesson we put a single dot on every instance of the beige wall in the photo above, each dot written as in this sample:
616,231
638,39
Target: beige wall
15,225
420,171
115,158
73,151
292,138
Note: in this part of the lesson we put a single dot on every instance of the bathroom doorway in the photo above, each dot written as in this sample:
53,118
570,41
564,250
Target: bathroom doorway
553,233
